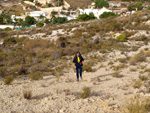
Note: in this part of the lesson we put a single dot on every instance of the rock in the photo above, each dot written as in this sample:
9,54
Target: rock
143,89
91,99
51,98
89,79
61,111
112,103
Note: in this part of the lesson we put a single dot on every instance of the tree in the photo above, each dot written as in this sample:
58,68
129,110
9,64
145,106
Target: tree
130,8
139,6
47,21
8,19
59,2
59,20
41,17
86,17
1,19
29,20
19,22
101,3
107,14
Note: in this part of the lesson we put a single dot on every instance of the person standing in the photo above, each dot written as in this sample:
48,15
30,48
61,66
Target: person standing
78,64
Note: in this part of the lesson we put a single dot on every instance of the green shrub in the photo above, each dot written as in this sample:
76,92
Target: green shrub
101,3
121,38
86,92
39,24
27,94
107,14
35,76
8,28
8,79
54,12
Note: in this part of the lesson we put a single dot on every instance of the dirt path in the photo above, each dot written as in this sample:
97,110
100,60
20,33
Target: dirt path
107,94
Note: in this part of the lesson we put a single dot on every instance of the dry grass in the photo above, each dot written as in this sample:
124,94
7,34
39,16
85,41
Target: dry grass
8,79
27,94
138,84
137,58
79,3
117,74
138,105
143,77
86,92
87,68
133,69
35,76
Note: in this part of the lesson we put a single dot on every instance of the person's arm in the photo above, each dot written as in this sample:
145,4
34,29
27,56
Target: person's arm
82,59
74,63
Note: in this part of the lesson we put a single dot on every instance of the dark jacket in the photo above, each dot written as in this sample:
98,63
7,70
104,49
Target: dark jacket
78,65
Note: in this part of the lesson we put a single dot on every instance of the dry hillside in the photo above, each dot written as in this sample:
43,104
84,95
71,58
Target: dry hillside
79,3
36,72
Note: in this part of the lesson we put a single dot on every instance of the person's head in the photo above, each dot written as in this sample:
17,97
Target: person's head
77,54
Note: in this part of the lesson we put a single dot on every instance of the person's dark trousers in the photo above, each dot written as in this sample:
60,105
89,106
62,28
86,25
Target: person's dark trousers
79,70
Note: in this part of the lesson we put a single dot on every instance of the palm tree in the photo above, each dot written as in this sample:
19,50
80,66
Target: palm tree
41,17
3,16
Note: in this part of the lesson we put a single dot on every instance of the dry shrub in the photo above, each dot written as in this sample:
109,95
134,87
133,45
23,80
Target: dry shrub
67,92
8,79
27,94
31,44
137,58
86,92
138,84
117,74
87,68
35,76
118,67
138,105
133,69
143,77
147,53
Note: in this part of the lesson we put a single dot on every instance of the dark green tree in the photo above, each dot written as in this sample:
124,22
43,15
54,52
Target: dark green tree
8,19
130,7
101,3
139,6
107,14
29,20
1,19
59,20
86,17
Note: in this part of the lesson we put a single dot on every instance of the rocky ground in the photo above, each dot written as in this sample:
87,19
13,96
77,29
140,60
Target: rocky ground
108,94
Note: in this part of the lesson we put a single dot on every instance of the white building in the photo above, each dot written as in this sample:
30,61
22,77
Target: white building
13,17
37,13
96,12
111,4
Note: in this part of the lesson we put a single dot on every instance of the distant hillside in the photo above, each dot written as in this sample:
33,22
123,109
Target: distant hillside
79,3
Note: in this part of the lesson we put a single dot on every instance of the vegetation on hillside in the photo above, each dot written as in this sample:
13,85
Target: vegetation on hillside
101,3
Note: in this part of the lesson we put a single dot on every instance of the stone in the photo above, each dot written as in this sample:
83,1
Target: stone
112,103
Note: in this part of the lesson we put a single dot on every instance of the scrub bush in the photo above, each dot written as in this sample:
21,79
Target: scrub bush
86,92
